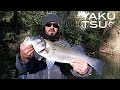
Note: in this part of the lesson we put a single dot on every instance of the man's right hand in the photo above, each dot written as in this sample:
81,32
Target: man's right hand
26,51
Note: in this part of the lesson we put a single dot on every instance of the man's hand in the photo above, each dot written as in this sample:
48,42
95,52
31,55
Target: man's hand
26,51
79,66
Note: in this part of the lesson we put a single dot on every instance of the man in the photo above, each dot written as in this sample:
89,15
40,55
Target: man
33,66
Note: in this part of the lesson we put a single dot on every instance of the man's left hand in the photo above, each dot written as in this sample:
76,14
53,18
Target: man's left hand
79,66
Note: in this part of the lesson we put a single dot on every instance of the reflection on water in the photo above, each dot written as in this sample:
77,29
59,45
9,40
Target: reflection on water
111,68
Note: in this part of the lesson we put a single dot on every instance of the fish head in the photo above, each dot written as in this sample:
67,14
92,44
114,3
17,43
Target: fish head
38,43
27,41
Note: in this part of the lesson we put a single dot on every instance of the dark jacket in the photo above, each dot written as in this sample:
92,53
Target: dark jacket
36,68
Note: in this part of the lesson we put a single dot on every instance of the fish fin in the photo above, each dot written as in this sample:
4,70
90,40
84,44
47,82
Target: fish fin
79,48
98,66
49,63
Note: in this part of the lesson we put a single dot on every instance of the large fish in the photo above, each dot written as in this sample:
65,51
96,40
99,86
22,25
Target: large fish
54,52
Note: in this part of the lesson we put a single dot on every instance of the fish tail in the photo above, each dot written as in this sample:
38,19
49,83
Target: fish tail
98,66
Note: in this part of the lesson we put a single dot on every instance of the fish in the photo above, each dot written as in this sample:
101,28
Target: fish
54,52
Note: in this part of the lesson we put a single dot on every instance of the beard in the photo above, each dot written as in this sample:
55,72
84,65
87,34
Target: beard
50,37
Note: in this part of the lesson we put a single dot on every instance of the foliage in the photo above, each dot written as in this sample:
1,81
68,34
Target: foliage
71,31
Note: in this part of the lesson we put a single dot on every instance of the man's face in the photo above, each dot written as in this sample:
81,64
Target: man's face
51,28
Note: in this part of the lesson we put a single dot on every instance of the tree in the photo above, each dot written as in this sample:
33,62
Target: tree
111,44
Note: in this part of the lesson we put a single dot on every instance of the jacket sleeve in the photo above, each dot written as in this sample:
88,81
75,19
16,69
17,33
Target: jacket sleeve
21,67
82,75
34,64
